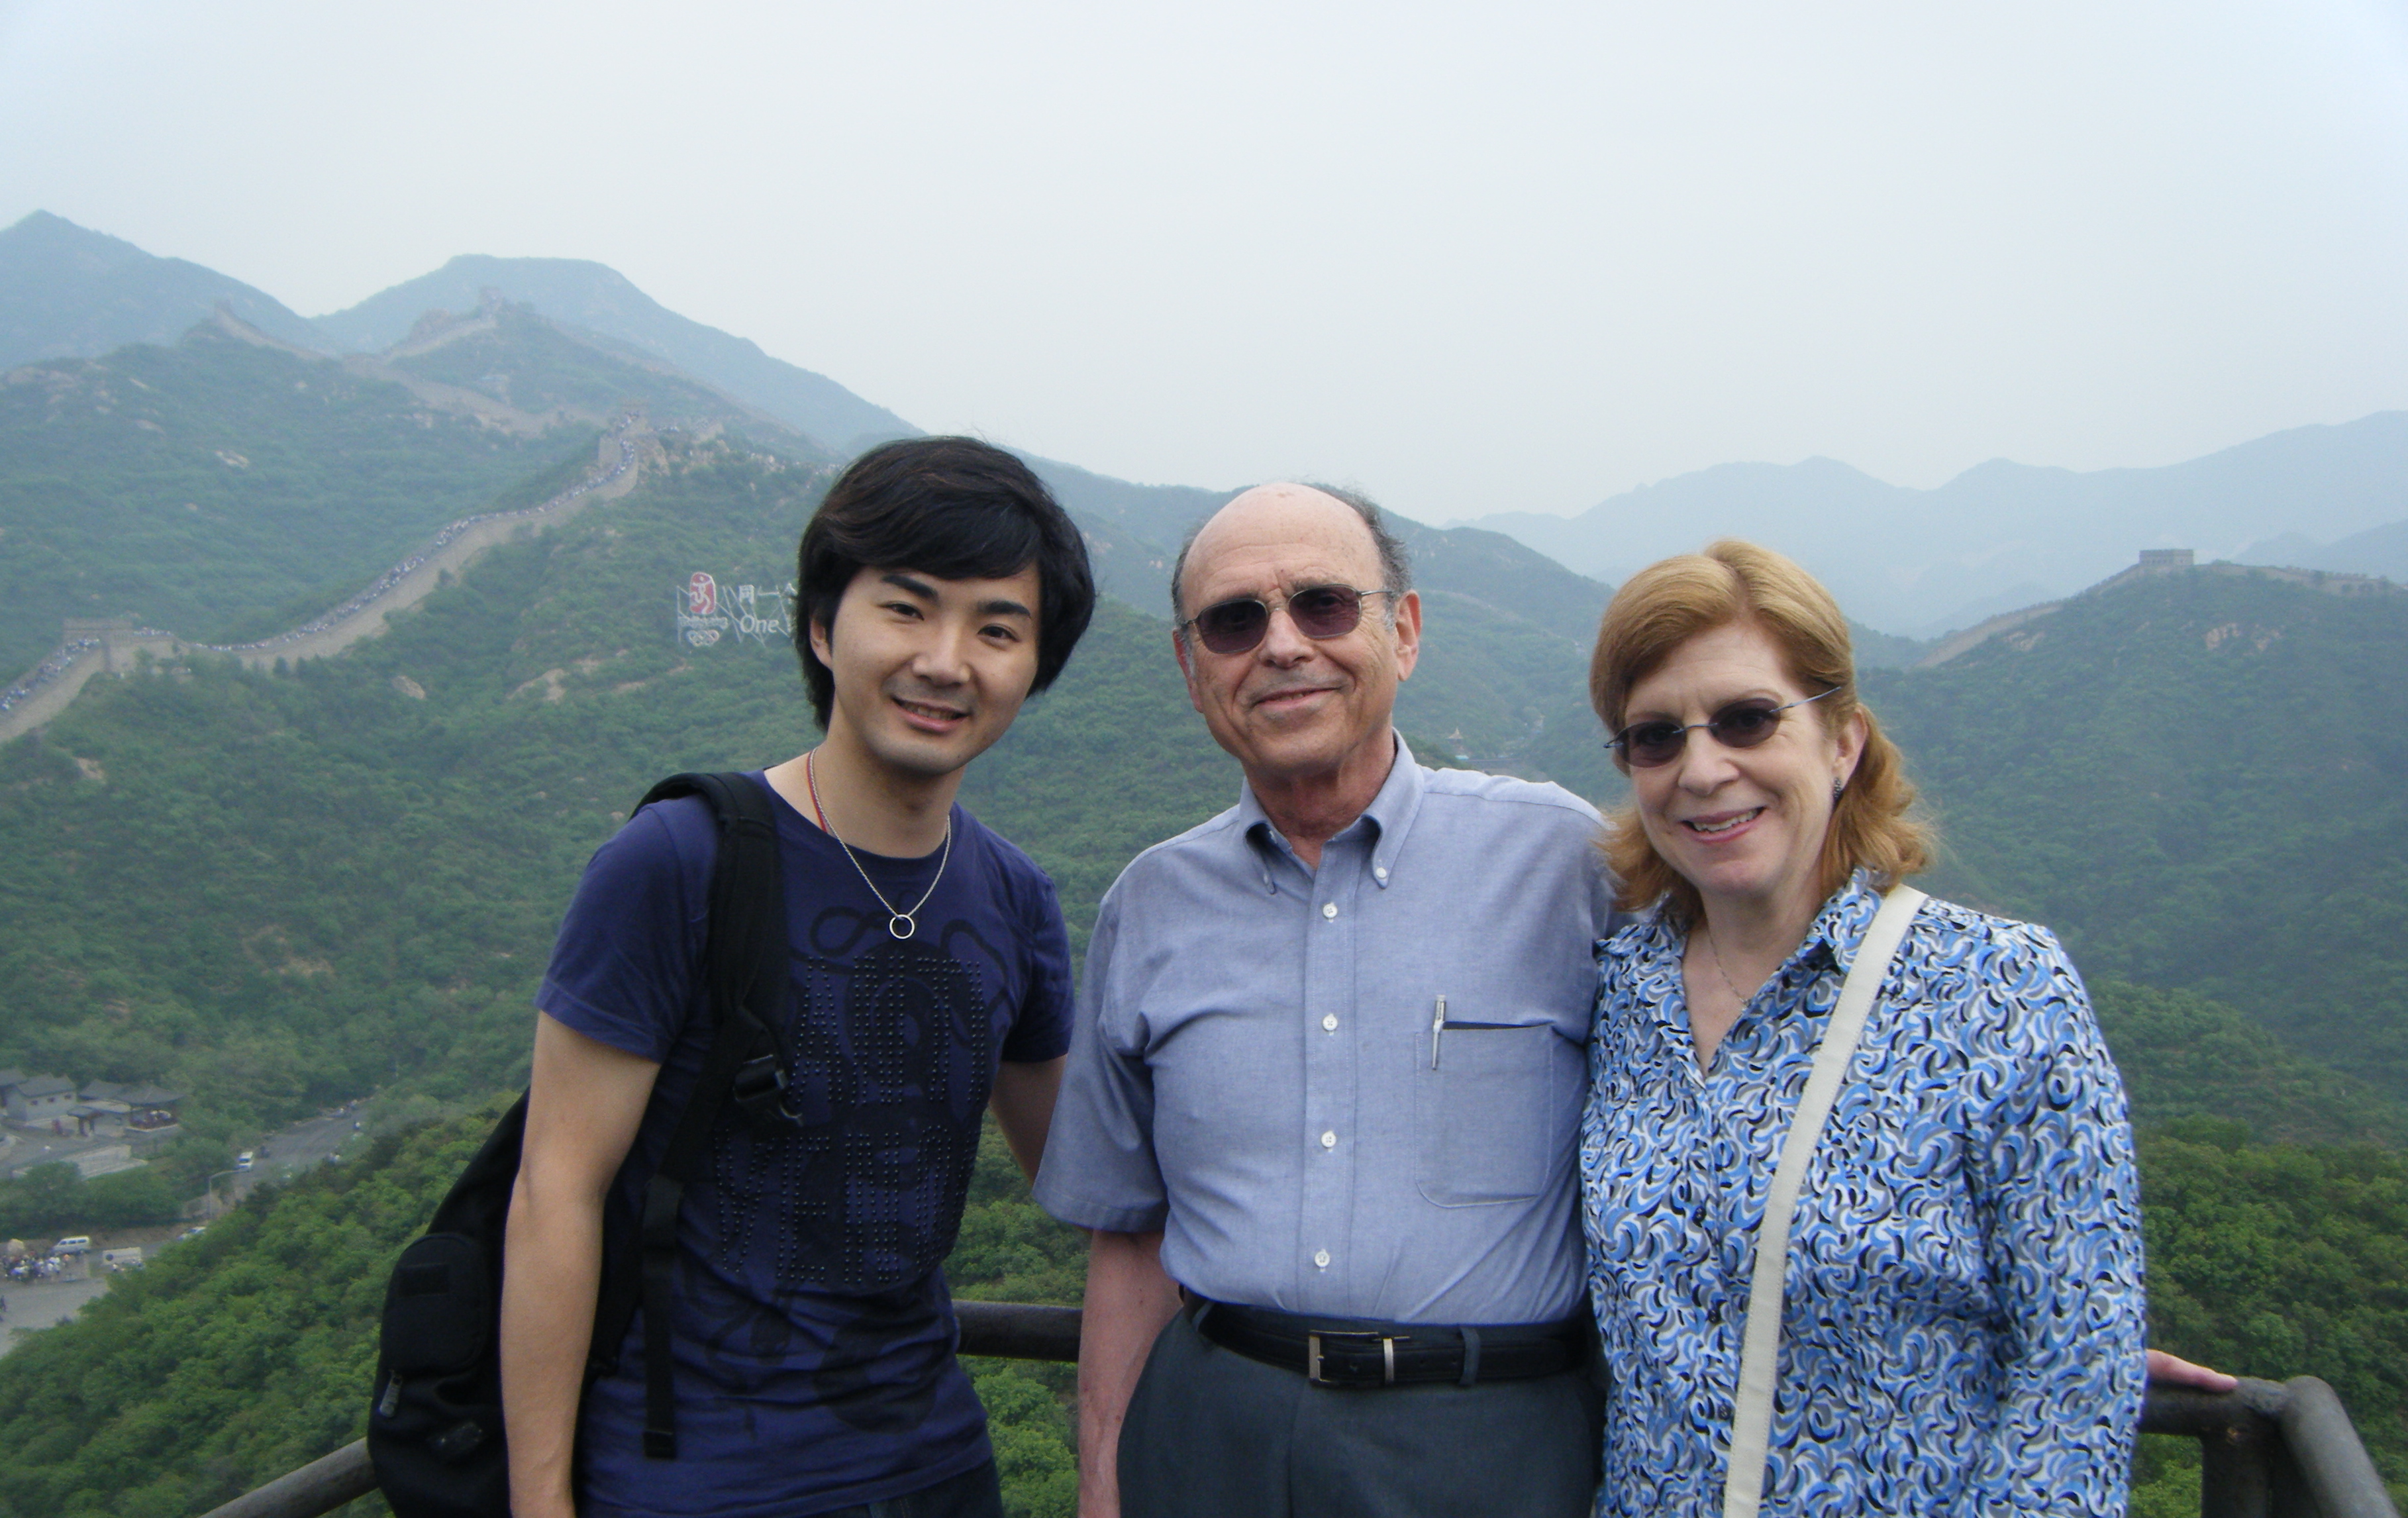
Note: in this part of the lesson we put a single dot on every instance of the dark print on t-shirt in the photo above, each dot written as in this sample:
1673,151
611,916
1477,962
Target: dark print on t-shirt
888,1059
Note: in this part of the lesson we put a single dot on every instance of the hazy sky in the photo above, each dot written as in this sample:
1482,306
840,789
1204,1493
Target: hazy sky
1470,258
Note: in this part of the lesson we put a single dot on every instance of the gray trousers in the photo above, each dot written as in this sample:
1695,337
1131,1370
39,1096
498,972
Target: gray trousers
1211,1434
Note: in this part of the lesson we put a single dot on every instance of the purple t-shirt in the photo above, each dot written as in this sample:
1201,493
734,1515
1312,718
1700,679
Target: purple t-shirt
814,1335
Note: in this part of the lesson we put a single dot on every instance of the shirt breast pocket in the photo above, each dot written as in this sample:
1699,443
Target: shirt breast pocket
1485,1117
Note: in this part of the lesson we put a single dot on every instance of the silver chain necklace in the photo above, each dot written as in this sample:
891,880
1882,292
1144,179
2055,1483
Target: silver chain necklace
1713,956
901,925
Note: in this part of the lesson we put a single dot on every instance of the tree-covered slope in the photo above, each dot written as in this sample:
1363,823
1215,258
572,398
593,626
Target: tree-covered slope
533,366
236,1356
2185,1057
2200,781
602,301
229,1360
247,1352
277,890
67,292
2276,1261
224,490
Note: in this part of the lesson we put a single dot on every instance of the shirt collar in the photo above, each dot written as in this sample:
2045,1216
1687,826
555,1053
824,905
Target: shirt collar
1833,937
1838,929
1385,821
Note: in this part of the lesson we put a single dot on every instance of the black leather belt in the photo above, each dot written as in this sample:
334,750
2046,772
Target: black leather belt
1355,1351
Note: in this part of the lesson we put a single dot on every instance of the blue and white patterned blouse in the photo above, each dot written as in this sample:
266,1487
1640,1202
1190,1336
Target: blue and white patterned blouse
1963,1325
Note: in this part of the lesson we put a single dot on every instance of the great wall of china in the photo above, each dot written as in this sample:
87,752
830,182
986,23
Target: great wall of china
2152,562
117,646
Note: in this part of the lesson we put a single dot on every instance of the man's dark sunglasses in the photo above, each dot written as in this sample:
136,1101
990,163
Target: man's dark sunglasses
1317,610
1742,724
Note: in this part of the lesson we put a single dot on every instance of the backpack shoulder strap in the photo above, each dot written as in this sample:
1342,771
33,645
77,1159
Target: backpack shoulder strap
744,955
744,968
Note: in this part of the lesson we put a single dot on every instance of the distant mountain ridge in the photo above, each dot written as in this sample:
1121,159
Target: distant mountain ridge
2103,770
67,292
228,485
577,293
2378,550
1918,562
2003,534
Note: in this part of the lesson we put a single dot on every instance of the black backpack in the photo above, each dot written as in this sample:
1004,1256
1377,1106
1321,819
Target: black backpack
434,1423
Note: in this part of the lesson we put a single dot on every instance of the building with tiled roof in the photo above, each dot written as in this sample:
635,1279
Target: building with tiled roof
40,1098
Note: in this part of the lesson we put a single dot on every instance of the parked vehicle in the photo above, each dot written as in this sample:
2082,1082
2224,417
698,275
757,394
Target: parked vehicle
73,1244
242,1161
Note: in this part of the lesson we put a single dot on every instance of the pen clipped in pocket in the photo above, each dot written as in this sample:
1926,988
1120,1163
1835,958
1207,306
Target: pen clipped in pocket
1481,1101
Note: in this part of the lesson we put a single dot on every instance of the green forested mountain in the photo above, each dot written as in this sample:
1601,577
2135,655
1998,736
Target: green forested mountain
67,292
2198,779
2185,1057
349,875
241,1355
225,490
2088,777
603,304
533,365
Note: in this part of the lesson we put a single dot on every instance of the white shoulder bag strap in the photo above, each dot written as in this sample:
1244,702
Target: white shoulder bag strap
1759,1359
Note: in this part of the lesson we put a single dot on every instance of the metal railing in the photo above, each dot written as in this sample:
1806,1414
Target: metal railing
1002,1330
2272,1450
2267,1450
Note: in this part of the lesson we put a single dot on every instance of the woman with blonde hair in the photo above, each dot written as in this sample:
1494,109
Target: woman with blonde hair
1864,1228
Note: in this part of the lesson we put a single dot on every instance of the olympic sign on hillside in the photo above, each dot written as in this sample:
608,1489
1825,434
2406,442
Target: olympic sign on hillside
709,612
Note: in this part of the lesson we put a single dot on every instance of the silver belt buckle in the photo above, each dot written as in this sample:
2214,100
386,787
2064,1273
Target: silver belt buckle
1388,1343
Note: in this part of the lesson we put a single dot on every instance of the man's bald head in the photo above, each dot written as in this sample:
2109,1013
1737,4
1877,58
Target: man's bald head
1283,500
1308,715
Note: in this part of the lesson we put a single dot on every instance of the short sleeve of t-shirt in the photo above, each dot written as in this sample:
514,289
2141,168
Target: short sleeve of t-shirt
615,976
1041,1031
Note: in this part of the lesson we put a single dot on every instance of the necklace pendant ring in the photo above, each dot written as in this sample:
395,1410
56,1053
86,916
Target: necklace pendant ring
901,925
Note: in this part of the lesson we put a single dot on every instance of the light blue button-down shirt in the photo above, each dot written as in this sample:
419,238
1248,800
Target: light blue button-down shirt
1255,1073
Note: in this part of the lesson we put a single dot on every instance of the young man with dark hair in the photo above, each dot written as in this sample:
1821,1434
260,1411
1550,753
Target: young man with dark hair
938,585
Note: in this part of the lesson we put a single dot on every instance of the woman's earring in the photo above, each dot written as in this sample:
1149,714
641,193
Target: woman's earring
1838,785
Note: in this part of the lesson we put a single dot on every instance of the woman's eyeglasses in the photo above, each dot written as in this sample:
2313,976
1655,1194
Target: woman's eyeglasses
1319,612
1742,724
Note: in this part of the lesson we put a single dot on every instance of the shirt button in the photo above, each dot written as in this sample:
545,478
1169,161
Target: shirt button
1329,1022
1379,871
1329,910
1321,1258
1329,1140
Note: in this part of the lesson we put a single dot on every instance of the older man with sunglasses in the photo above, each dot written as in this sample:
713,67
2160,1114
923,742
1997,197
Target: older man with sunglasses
1328,1070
